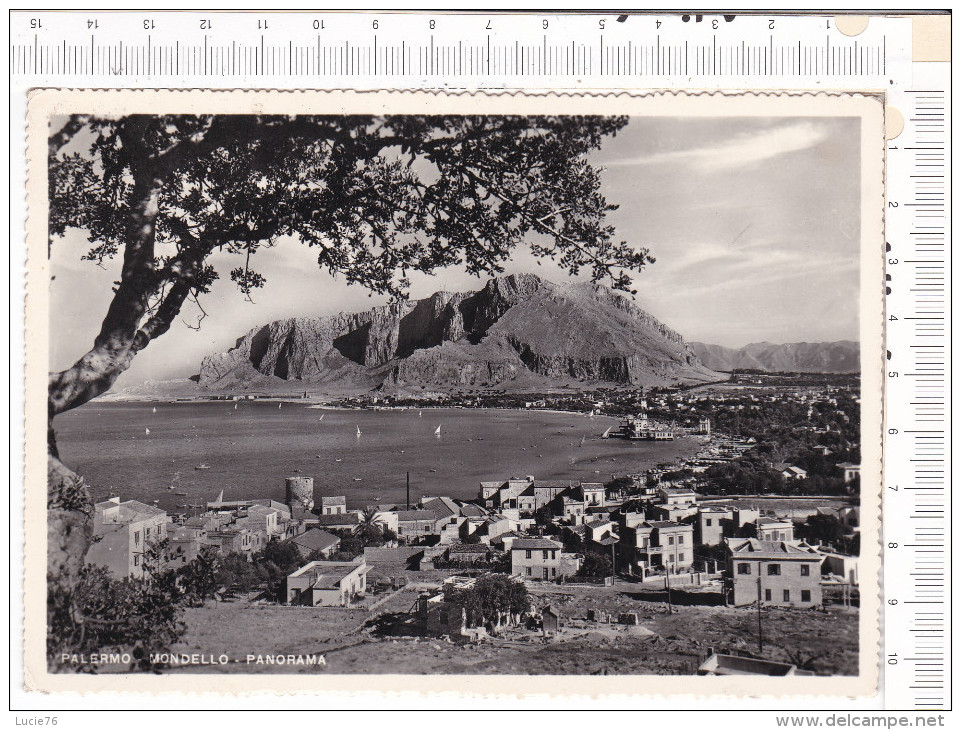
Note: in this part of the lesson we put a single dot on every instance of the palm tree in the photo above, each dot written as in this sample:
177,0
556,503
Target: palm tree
371,528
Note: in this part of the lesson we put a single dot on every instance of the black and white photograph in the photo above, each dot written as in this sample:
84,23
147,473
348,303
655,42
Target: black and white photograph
455,385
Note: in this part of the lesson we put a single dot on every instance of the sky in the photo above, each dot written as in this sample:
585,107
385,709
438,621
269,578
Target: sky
754,224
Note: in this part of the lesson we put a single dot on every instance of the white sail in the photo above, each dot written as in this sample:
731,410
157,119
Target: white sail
437,432
583,439
607,433
146,431
280,405
220,497
420,414
358,430
155,409
235,406
321,418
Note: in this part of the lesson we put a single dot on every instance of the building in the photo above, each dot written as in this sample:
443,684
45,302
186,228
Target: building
781,573
775,529
184,544
316,542
711,524
468,554
793,472
597,530
550,619
415,524
672,497
327,583
123,533
660,545
536,558
850,471
333,505
572,510
594,495
843,566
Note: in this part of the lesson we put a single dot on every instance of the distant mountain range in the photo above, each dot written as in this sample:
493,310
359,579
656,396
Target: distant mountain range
518,332
801,357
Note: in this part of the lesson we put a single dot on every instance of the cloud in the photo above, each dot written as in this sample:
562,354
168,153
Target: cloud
741,151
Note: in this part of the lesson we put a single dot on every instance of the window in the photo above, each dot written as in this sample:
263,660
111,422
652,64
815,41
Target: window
680,539
136,560
670,540
670,558
136,538
553,555
774,569
743,568
553,572
529,572
767,594
787,596
545,554
805,596
805,570
546,574
528,554
707,522
680,557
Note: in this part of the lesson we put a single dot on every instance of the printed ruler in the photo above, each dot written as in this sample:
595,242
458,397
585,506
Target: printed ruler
603,50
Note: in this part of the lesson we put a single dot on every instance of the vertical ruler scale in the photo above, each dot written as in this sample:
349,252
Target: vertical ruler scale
917,550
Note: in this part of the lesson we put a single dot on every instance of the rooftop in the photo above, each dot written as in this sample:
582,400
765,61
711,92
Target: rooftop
414,515
538,543
315,539
752,548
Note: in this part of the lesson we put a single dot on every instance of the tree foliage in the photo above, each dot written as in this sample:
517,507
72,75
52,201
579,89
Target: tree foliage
376,197
142,616
595,565
492,600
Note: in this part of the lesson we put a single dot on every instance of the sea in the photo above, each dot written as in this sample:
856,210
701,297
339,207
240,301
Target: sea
181,455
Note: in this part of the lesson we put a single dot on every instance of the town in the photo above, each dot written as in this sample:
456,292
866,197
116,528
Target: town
762,524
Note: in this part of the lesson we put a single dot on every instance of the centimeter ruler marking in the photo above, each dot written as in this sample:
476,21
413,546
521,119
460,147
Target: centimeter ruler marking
922,396
847,57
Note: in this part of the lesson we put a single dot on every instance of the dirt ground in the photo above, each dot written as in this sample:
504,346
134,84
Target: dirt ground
665,641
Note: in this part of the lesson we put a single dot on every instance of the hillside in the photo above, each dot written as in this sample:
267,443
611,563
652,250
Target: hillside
801,357
518,332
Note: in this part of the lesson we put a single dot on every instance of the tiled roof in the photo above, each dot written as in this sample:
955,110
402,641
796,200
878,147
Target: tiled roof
539,543
349,520
472,510
416,515
316,540
751,548
333,500
469,549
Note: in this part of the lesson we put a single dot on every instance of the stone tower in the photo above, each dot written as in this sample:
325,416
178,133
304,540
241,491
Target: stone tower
300,493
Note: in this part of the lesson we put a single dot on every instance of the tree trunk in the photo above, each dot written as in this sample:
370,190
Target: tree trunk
69,510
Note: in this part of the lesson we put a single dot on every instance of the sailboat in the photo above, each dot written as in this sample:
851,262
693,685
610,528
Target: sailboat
358,431
280,405
321,418
420,414
607,433
235,406
437,431
583,439
146,431
155,409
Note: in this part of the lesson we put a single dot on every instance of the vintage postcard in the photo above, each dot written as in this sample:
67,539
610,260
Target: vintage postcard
580,393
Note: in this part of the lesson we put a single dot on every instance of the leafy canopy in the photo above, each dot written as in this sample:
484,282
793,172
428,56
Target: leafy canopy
377,197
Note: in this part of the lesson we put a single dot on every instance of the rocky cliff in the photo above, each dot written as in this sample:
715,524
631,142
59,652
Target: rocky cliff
800,357
518,331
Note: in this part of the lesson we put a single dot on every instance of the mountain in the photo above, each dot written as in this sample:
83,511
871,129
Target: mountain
801,357
518,332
